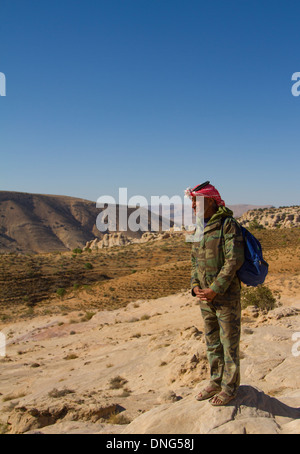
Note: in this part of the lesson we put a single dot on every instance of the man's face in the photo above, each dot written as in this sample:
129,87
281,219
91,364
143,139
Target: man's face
197,204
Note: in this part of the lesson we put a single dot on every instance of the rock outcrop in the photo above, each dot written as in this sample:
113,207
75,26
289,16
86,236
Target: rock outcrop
251,412
271,218
120,239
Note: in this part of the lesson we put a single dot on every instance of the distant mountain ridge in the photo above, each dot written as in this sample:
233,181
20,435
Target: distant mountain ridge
40,223
177,216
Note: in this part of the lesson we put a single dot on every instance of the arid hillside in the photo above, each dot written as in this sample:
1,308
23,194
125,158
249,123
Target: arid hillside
109,278
42,223
37,223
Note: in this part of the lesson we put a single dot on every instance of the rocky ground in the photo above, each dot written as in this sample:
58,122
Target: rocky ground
137,370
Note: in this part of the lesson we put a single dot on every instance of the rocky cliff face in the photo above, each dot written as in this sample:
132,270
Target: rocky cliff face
120,239
271,218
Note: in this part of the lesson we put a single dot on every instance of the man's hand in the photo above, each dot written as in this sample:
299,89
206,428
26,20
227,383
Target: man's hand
205,294
197,291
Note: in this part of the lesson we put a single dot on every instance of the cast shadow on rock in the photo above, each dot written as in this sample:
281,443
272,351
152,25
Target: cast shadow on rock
249,396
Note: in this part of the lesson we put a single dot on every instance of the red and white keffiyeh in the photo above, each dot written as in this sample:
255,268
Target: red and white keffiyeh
207,191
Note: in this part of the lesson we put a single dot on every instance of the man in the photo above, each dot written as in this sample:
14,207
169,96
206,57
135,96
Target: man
215,260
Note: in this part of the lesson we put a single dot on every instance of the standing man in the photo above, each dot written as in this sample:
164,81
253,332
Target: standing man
215,261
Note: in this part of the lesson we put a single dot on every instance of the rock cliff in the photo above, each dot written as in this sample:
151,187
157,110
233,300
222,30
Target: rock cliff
271,218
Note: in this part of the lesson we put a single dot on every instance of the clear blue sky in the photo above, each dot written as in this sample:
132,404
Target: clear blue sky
152,95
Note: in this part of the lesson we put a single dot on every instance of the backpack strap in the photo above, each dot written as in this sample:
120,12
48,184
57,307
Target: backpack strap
222,228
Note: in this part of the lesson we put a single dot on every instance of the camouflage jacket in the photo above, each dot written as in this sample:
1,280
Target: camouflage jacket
218,256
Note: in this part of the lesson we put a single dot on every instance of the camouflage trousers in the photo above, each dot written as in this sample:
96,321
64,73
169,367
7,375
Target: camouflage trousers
222,324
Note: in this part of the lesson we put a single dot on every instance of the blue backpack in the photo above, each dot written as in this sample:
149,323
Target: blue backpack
254,270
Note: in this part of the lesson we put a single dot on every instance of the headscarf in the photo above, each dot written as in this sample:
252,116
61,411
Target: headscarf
208,191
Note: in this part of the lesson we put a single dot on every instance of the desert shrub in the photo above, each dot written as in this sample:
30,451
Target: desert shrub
125,393
260,296
61,292
88,316
116,418
55,393
117,382
88,266
77,250
254,225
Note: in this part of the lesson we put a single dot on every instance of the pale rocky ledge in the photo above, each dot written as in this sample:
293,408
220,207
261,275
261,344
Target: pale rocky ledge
137,370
